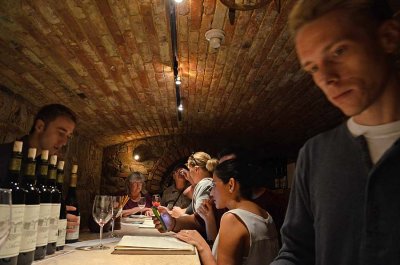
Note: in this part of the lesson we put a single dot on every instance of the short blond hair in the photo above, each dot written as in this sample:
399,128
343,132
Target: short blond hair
306,11
202,160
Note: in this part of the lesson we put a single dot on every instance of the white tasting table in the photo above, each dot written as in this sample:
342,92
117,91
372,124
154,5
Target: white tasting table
72,256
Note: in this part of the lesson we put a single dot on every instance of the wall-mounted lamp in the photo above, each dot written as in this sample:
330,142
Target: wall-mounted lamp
178,80
142,153
215,37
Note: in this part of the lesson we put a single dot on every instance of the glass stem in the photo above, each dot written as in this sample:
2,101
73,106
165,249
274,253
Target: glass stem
101,235
112,227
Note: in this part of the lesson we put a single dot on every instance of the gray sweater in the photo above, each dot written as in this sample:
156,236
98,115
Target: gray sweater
342,209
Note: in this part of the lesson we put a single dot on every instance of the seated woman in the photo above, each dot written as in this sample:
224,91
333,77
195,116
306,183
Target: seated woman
201,166
247,233
135,190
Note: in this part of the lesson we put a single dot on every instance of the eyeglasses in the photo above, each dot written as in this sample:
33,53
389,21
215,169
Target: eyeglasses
192,158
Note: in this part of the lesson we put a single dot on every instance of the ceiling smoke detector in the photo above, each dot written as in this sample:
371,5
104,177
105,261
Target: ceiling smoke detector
215,37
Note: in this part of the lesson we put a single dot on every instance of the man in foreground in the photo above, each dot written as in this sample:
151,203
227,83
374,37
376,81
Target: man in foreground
52,128
344,206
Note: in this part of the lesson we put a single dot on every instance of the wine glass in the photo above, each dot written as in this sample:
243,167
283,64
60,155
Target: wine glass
102,213
156,200
5,214
142,204
117,210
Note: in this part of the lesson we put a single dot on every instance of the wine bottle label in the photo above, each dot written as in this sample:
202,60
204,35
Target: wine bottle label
74,179
43,224
30,169
74,231
53,229
52,173
43,170
15,164
11,246
62,229
29,230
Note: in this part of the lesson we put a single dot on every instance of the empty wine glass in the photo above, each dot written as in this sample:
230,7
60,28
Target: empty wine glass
117,210
5,214
142,204
156,200
102,213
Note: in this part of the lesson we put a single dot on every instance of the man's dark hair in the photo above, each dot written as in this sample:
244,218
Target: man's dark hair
178,166
51,112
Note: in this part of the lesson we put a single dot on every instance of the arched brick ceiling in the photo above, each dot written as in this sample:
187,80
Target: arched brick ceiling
111,62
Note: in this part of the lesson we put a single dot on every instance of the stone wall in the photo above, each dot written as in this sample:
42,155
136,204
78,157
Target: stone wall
16,118
163,153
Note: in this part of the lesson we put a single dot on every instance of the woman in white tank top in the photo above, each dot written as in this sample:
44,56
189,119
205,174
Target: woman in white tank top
247,234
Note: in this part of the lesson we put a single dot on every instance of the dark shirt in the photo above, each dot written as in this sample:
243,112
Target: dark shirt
342,208
174,196
131,204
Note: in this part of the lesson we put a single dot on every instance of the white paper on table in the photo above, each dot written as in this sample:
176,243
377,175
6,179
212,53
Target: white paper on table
153,242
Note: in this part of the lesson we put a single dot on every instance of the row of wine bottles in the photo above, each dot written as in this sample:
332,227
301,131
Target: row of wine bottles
39,223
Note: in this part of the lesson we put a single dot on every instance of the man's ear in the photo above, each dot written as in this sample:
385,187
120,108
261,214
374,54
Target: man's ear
389,33
39,126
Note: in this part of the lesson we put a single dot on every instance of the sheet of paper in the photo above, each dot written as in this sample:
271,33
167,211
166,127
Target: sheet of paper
164,242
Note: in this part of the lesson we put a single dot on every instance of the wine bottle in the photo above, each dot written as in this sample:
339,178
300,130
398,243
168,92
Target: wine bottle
45,206
71,200
9,251
55,204
62,229
32,209
62,220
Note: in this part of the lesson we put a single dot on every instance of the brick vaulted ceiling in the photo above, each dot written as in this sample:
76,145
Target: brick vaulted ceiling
111,61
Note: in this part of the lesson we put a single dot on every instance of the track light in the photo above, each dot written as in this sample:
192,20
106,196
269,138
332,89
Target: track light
178,80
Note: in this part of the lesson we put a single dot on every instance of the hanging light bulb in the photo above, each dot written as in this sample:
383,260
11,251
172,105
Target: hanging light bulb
180,107
136,157
178,80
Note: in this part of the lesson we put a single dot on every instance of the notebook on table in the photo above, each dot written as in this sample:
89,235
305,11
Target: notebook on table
153,245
